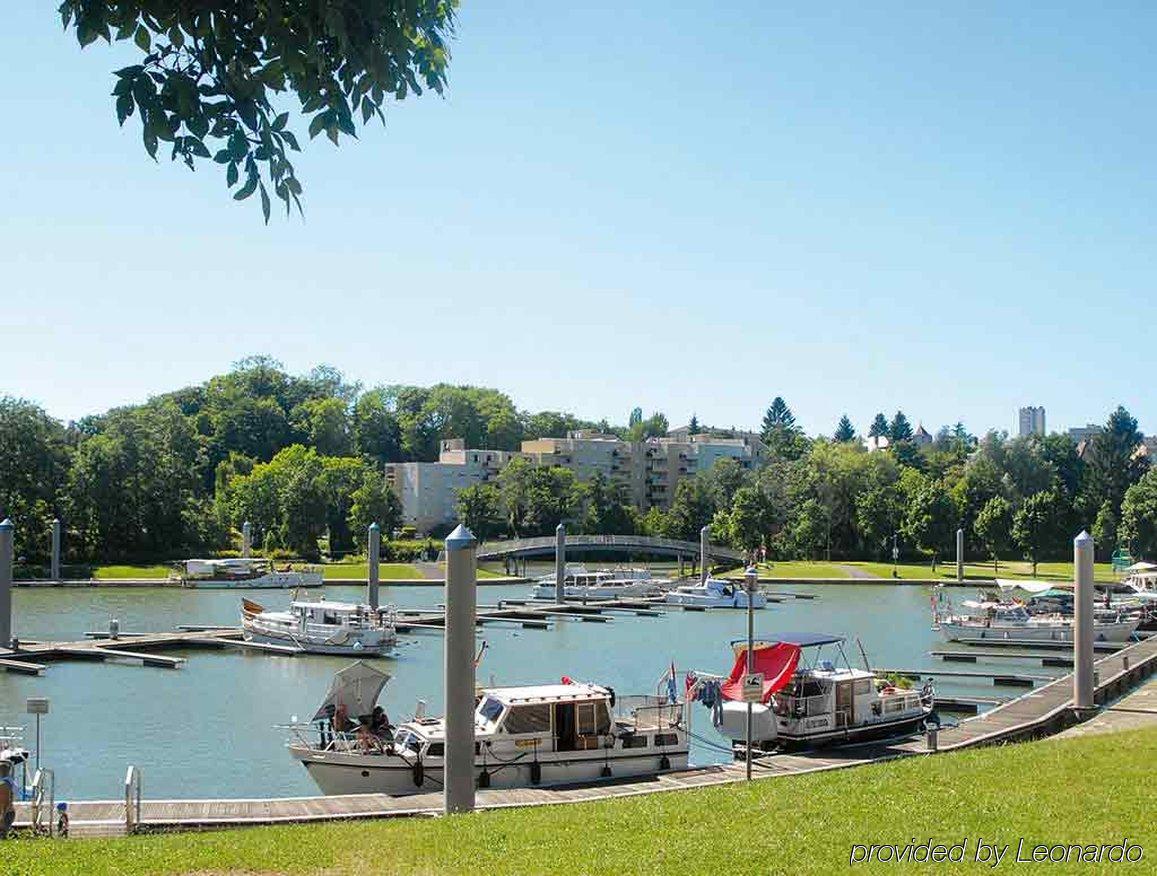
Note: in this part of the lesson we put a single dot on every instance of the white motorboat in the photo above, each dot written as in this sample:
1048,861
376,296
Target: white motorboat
321,627
579,583
14,761
244,573
1142,586
534,735
985,620
715,593
812,703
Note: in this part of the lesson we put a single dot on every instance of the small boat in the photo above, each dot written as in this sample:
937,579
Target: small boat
533,735
715,593
321,627
14,761
579,583
244,573
984,619
813,703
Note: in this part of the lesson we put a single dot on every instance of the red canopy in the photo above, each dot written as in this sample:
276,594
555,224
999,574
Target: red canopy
777,663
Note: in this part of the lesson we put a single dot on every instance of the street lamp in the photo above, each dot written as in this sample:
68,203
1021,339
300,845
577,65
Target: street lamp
751,579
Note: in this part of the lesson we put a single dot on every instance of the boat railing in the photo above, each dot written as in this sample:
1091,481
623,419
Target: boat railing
43,801
649,712
132,799
800,707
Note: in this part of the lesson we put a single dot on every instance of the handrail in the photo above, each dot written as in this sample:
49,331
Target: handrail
132,799
43,790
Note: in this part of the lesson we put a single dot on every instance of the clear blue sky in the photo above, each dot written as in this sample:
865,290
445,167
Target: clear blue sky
689,207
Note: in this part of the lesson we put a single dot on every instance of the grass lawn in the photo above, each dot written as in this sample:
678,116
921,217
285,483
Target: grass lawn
387,571
114,572
795,569
1078,790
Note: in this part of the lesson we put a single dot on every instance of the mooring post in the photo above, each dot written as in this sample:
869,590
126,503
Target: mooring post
559,563
461,604
751,577
246,539
703,554
960,555
374,555
7,531
54,568
1083,684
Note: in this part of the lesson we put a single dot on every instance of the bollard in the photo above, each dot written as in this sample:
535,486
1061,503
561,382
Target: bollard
246,539
1125,662
960,555
703,554
374,555
559,563
1084,684
461,605
7,532
933,740
54,569
114,628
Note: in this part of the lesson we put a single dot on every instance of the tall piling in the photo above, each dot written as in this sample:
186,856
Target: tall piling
559,563
7,531
1083,626
703,553
374,556
960,555
246,539
54,566
461,614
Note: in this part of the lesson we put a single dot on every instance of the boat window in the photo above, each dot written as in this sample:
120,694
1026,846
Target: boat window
635,740
436,749
329,618
863,685
662,739
534,718
585,719
490,709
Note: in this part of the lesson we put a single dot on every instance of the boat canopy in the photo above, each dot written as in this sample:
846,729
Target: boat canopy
357,688
208,567
1142,567
803,640
1035,588
776,661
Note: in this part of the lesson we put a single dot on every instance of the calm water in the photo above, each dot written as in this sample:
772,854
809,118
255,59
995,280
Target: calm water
207,729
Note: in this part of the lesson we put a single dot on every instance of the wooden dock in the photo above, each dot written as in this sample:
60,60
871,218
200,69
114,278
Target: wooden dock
1042,711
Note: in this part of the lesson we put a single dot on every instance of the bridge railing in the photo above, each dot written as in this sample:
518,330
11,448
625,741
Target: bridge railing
588,542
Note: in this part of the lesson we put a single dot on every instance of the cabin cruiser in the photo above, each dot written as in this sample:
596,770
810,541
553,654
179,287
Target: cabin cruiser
532,735
1142,586
579,583
321,627
984,619
809,702
715,593
14,760
243,573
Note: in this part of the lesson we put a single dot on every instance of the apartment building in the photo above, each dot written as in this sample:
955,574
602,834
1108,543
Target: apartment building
1030,421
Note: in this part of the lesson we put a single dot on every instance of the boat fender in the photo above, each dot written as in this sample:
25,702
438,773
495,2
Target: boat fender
419,773
484,778
611,691
664,762
535,772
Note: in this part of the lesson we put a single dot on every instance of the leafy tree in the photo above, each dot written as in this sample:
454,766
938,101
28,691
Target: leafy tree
1037,525
780,433
605,508
324,425
691,509
210,74
1114,463
1139,516
374,428
723,480
693,426
778,416
373,502
750,519
930,520
993,527
635,419
34,458
879,427
535,499
899,429
479,507
552,424
655,426
879,514
1105,529
845,431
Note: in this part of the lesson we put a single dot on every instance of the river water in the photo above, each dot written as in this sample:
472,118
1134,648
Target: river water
207,729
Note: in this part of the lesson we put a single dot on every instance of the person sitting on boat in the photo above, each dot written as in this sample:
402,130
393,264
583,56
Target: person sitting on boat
367,741
380,723
341,719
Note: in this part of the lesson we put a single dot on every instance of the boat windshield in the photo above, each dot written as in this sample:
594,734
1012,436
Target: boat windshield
490,709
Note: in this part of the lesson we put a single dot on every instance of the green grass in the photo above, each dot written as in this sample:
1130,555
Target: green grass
107,573
387,571
1077,790
795,569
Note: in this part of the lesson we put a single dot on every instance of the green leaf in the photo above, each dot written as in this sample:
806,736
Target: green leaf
319,122
231,175
279,122
150,141
265,203
291,139
176,37
141,38
124,107
246,190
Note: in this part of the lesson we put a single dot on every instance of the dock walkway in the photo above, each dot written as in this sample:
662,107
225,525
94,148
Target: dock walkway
1040,712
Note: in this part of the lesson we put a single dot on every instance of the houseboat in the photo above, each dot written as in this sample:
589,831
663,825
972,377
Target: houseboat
984,619
808,700
321,627
579,583
244,573
715,593
533,735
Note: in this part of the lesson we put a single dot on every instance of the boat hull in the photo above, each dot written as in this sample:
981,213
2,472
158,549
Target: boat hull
339,773
739,600
627,591
1118,631
371,648
272,581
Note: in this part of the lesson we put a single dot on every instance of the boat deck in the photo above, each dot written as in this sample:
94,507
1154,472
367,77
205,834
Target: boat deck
1040,712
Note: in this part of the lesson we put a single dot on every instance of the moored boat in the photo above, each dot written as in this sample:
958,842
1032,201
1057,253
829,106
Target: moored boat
532,735
580,583
984,620
244,573
715,593
321,627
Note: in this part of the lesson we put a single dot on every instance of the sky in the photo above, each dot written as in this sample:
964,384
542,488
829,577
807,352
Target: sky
691,208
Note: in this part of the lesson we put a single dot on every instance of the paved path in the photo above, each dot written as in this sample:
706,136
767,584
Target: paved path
860,574
1137,710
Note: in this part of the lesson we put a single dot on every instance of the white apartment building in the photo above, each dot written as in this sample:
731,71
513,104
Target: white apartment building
1031,421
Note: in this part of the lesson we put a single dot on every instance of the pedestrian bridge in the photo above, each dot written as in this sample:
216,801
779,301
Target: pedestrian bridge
625,544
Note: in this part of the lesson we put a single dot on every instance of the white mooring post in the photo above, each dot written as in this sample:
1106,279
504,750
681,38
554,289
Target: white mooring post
374,555
54,568
461,605
703,554
1083,683
559,563
246,539
7,530
751,577
960,555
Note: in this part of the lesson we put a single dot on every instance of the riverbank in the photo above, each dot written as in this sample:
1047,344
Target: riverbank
1051,792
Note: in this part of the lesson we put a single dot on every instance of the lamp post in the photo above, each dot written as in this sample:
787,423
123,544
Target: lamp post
895,556
751,578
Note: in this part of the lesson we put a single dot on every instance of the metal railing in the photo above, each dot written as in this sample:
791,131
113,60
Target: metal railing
132,799
43,801
640,543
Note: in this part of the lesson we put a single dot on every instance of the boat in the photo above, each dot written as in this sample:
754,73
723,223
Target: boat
810,703
714,593
580,583
244,573
985,619
321,627
525,736
1142,585
14,763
